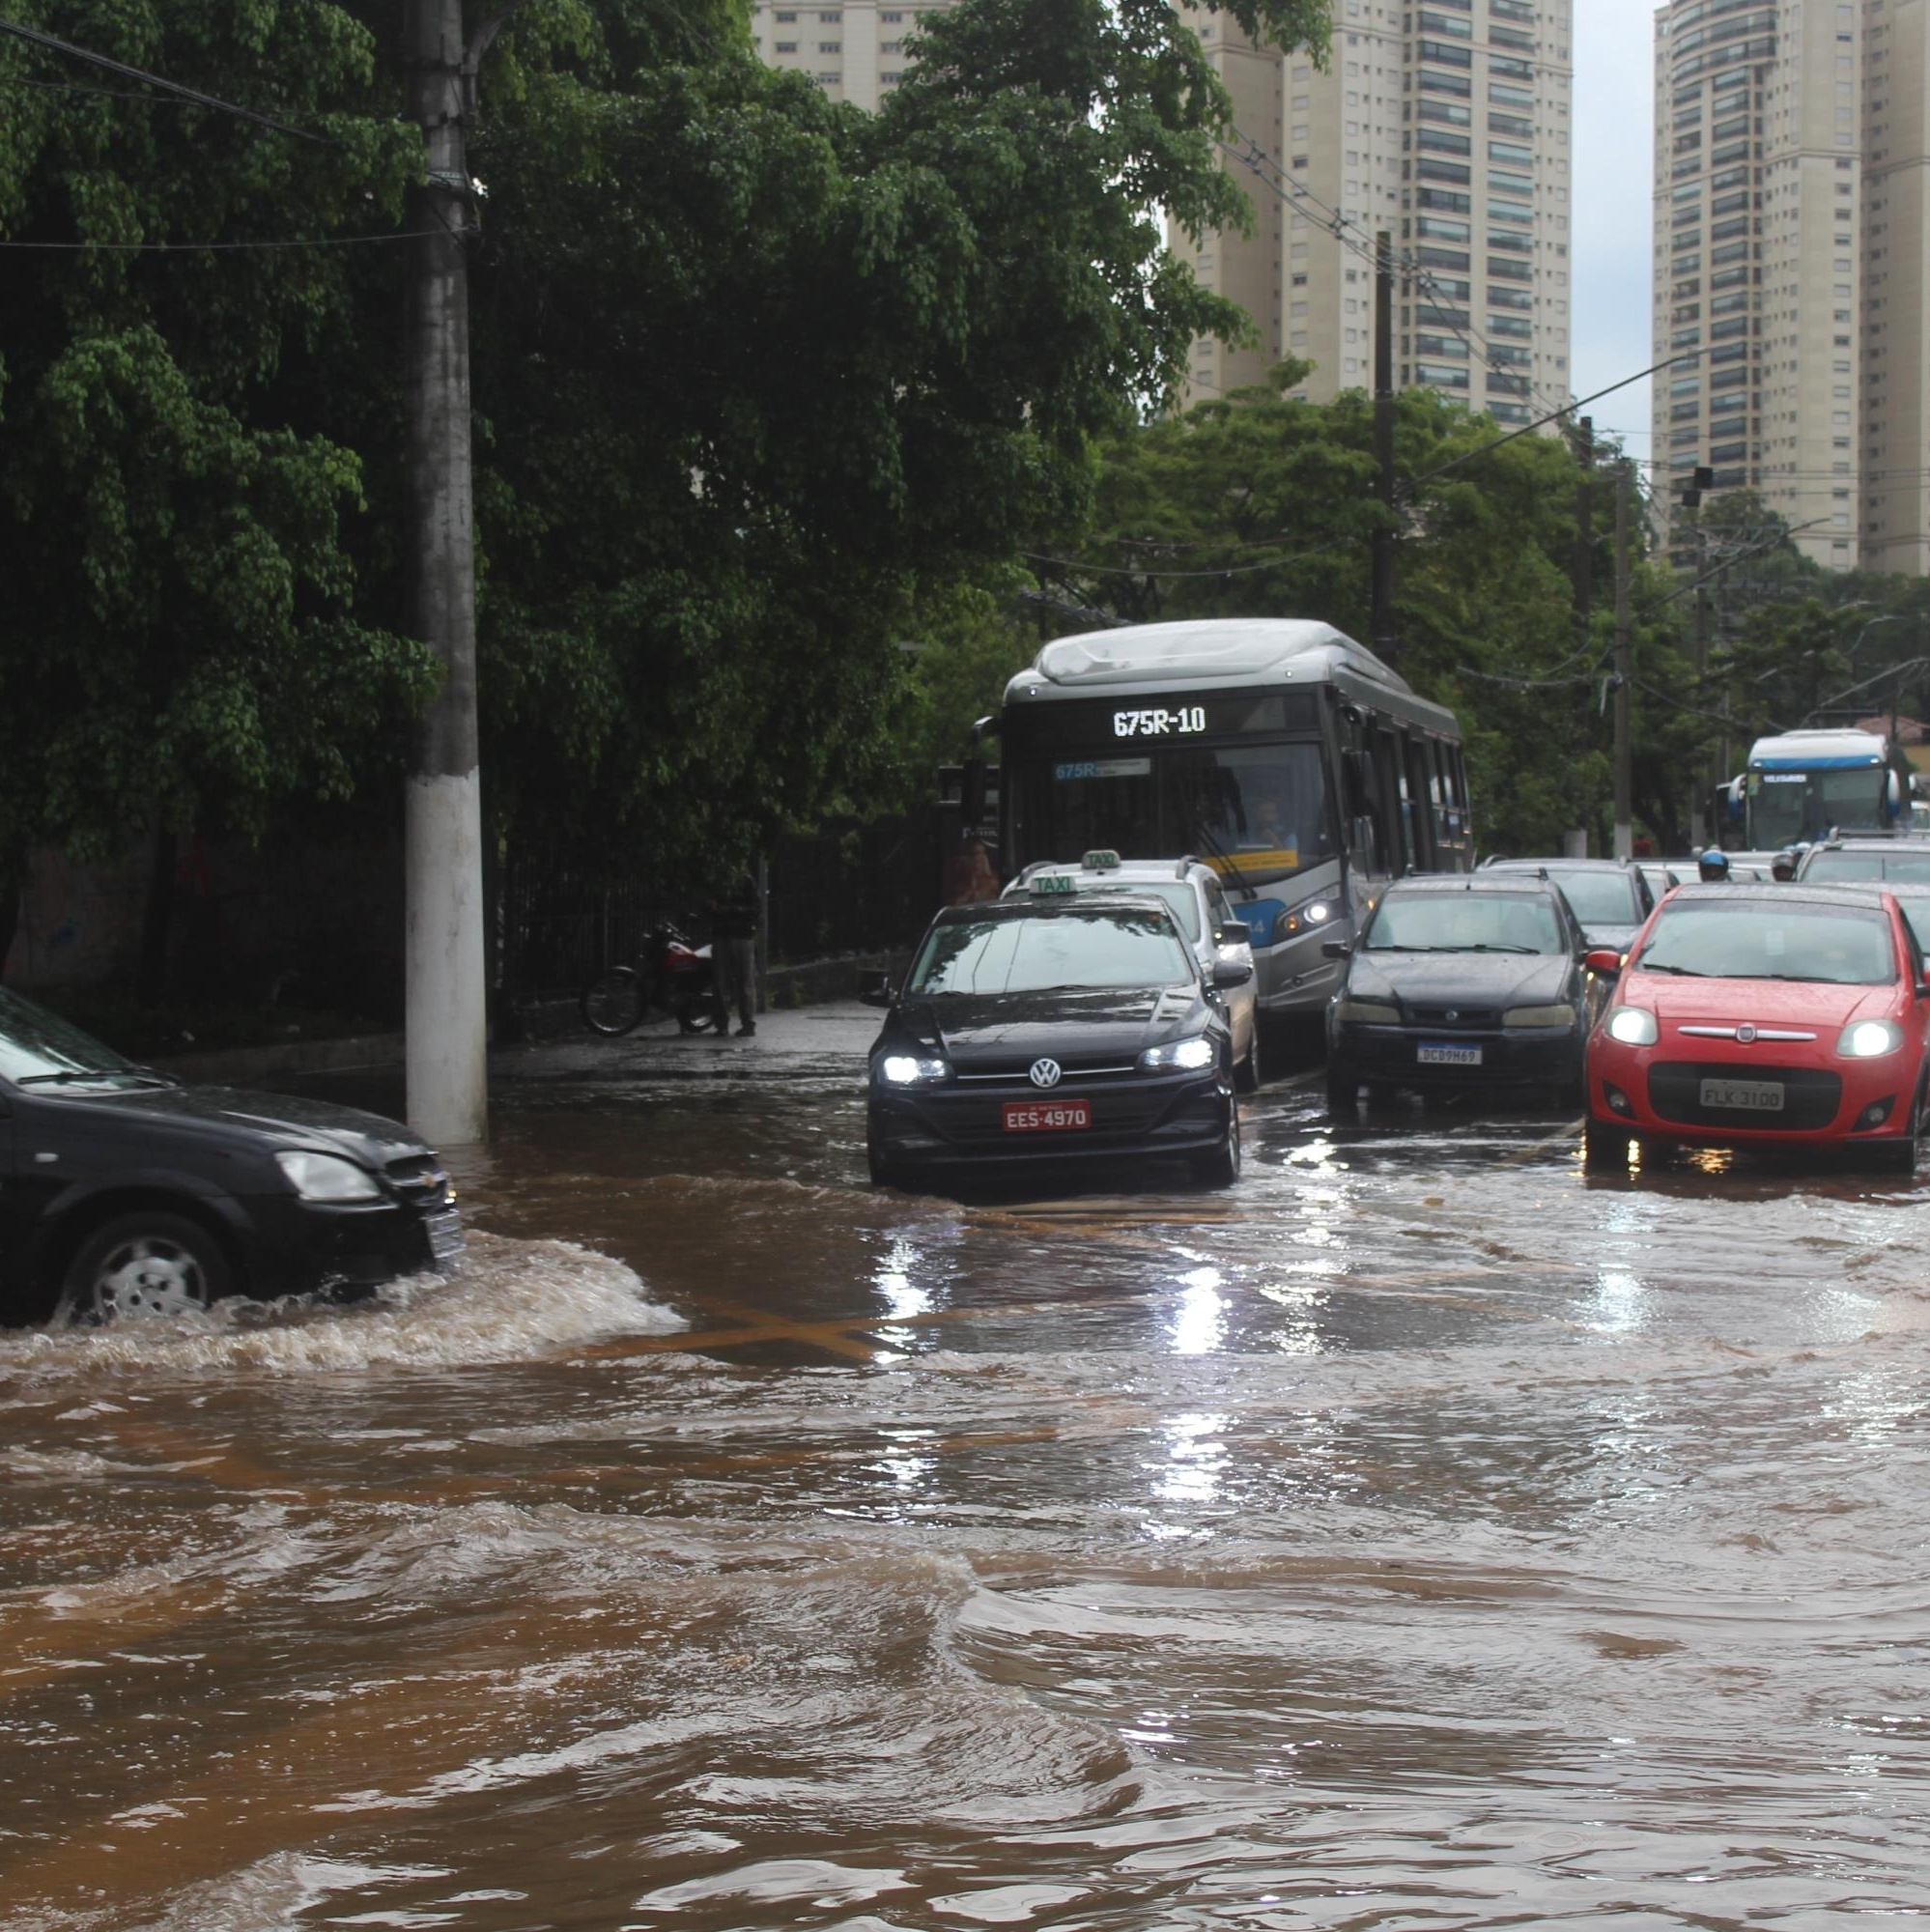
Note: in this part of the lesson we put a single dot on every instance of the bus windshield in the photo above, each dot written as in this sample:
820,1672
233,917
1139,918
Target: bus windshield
1786,807
1259,809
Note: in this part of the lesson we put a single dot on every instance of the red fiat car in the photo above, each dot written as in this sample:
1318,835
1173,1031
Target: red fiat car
1765,1015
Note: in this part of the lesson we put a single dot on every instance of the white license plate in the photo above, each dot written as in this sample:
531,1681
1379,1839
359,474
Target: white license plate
1761,1096
445,1237
1431,1053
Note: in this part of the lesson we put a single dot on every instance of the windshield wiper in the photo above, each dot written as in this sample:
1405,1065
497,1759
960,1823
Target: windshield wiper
94,1074
1681,972
1491,945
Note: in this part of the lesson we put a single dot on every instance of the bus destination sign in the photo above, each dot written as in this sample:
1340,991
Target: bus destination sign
1183,720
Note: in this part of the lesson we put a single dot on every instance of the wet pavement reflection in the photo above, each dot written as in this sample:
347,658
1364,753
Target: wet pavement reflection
1418,1533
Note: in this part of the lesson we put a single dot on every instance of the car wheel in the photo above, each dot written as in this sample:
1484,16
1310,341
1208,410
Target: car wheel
1246,1075
146,1264
1219,1167
883,1173
1605,1145
1900,1156
1343,1086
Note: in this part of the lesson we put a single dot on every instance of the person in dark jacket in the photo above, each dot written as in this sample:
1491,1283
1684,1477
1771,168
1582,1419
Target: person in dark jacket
733,953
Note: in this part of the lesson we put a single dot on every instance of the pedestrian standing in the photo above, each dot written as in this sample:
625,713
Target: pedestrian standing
733,954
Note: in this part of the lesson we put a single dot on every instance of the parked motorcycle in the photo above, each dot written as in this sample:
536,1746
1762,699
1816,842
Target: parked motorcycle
671,977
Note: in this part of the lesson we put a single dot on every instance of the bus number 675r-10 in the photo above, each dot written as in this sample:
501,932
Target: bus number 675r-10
1159,724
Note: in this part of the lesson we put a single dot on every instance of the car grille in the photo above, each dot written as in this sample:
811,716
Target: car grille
422,1185
1456,1019
1019,1072
1810,1096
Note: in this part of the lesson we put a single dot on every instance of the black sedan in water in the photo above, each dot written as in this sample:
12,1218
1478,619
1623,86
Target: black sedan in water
1074,1029
1462,981
123,1192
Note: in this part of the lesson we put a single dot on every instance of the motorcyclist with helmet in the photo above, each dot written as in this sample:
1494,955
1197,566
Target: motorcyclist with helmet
1712,868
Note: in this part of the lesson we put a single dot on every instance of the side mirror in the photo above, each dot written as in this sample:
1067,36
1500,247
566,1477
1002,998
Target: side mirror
1231,973
1603,959
1923,993
874,989
1234,933
1336,948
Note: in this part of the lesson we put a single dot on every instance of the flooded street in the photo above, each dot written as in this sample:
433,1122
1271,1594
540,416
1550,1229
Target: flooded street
1417,1534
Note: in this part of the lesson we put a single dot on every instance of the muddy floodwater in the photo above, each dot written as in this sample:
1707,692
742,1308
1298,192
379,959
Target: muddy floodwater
1418,1535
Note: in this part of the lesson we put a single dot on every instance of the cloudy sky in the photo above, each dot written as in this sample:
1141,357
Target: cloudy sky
1614,113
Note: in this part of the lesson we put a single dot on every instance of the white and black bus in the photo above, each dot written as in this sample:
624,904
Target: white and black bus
1284,754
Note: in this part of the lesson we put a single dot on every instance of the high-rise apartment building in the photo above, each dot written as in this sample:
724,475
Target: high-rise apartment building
854,51
1445,124
1790,259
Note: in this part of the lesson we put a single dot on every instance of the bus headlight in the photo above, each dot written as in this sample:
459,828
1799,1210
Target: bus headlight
1307,914
1562,1015
901,1070
1367,1012
1634,1026
1869,1039
1191,1055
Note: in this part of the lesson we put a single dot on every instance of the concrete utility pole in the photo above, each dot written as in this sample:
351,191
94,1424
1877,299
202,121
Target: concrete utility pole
1625,759
1584,523
446,1053
1386,641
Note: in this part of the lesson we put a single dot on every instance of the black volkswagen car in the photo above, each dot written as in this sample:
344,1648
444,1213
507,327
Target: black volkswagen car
1072,1029
1609,897
123,1192
1471,979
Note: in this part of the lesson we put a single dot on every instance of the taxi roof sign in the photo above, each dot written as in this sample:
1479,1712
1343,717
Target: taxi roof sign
1101,862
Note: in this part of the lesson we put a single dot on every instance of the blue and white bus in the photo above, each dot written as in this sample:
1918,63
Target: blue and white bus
1803,785
1283,754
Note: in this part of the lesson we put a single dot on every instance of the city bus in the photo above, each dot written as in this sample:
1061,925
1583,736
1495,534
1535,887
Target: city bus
1802,785
1281,751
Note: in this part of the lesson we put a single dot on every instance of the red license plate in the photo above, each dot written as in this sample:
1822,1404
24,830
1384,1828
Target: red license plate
1047,1117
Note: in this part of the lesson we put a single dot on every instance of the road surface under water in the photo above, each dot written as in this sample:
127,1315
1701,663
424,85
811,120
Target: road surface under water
1420,1534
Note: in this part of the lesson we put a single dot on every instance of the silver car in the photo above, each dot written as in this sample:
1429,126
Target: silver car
1198,902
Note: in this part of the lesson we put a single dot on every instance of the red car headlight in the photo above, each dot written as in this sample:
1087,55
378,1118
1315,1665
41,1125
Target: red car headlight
1634,1026
1869,1039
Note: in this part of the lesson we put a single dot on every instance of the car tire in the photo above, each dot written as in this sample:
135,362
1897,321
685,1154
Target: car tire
1900,1156
1219,1166
613,1004
1246,1075
1343,1086
146,1263
1605,1145
883,1173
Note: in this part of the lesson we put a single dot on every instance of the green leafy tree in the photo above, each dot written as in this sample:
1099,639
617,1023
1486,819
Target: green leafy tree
186,643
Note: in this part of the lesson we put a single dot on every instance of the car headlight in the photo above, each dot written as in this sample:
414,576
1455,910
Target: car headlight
1869,1039
1559,1015
1309,913
327,1177
1190,1055
1367,1012
904,1069
1634,1026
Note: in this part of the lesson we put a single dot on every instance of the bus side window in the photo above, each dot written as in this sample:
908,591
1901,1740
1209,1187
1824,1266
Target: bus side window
1414,804
1392,786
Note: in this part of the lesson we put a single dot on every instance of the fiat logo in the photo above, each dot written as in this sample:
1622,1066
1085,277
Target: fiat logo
1746,1032
1045,1073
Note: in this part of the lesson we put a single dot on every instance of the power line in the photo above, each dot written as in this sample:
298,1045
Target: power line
1165,575
226,247
34,38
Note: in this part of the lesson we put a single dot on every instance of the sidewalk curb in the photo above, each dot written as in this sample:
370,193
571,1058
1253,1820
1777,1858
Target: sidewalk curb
355,1055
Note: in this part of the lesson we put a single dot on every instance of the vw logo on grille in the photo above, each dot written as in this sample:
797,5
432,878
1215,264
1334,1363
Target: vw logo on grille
1451,1013
1746,1032
1045,1073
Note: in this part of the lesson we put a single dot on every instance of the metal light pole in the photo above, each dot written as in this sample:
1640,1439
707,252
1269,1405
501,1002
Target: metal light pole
1625,753
1386,639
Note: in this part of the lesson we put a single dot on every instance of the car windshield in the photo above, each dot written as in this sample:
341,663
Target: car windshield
1600,899
1177,893
1465,921
1910,868
1762,939
38,1047
1114,948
